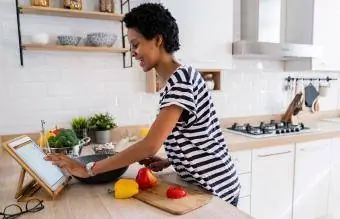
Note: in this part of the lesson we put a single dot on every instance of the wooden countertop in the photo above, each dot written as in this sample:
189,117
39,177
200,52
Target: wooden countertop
85,201
320,129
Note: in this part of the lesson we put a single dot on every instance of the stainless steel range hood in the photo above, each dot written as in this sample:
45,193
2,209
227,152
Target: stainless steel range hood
261,32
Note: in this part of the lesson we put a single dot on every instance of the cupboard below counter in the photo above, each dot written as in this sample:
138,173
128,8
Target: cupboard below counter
291,181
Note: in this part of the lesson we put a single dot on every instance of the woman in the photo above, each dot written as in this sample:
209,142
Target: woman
187,124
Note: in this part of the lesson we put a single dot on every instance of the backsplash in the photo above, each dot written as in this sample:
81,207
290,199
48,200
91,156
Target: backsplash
57,86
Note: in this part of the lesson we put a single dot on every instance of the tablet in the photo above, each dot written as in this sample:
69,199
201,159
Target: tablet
32,156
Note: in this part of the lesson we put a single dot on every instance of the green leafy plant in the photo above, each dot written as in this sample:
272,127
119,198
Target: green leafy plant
102,122
79,123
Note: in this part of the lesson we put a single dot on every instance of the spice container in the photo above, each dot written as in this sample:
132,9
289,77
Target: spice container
209,81
73,4
107,6
41,3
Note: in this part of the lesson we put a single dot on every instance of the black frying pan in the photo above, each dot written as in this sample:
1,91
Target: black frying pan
106,177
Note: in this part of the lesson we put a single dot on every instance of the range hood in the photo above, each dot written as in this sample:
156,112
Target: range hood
264,30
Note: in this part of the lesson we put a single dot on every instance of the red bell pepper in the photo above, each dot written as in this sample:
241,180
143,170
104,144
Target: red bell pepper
145,178
175,192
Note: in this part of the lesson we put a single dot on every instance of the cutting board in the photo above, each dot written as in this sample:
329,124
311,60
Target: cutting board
157,197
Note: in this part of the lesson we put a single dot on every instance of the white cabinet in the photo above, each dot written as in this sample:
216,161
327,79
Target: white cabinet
206,31
314,21
272,182
334,190
311,184
242,160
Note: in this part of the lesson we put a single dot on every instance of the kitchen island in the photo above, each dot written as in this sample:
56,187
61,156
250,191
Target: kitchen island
87,201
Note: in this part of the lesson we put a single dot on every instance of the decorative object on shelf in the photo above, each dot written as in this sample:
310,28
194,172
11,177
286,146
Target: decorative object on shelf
102,124
209,81
40,38
68,40
73,4
80,126
41,3
107,6
101,39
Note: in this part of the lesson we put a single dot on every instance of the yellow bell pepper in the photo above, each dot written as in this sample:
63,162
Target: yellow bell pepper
125,188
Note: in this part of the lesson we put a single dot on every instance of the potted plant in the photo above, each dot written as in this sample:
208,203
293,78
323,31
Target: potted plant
102,124
80,125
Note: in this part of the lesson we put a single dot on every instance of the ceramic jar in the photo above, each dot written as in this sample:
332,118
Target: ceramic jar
73,4
107,6
41,3
209,81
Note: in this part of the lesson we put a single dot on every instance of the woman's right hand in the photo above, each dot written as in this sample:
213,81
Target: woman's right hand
155,163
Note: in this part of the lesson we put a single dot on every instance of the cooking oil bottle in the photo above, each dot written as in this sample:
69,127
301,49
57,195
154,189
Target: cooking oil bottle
43,141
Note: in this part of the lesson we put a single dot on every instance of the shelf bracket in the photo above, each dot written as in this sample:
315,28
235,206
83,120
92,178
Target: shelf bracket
125,41
18,12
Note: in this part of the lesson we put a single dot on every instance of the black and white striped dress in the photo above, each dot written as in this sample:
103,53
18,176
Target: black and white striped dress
196,147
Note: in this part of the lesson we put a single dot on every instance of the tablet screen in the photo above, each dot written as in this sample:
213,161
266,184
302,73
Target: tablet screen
33,156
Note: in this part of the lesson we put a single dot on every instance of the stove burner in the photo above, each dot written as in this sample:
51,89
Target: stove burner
271,128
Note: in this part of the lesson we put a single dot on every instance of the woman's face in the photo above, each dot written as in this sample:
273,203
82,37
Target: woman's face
147,52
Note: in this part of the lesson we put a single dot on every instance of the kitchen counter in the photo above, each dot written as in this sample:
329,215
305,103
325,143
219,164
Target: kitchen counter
320,129
85,201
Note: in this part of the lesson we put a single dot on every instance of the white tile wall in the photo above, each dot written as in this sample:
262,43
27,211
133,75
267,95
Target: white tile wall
59,86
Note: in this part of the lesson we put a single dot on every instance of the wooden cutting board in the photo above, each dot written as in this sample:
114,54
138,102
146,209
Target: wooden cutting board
157,198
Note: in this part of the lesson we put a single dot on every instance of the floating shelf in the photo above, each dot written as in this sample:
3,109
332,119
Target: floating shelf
69,13
35,47
154,83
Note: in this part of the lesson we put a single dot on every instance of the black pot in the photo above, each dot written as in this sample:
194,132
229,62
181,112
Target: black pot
106,177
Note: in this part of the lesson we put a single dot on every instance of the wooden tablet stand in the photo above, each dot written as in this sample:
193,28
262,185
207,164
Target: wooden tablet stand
28,191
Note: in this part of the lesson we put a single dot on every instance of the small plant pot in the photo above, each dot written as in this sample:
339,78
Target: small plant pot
103,137
81,133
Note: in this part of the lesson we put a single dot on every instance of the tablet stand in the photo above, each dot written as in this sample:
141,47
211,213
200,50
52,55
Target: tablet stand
25,192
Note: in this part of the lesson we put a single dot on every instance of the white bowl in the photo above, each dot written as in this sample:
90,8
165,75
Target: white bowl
40,38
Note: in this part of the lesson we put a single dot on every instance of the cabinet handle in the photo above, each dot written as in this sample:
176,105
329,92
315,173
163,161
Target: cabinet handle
268,155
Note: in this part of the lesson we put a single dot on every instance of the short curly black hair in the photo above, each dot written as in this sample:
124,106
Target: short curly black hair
152,19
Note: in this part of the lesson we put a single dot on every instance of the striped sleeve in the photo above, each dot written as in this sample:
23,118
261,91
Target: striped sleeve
181,94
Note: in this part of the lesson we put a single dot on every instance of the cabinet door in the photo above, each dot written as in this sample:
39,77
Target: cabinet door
334,190
206,31
311,179
272,182
326,19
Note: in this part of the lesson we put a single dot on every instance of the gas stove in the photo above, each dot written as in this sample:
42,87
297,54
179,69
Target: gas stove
268,129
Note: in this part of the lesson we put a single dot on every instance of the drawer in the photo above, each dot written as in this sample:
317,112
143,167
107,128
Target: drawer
244,205
242,160
245,181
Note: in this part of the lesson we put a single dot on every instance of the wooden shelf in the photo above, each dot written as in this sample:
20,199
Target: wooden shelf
154,83
69,13
216,75
51,47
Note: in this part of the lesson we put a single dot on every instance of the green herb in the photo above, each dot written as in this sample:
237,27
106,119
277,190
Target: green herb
79,123
102,122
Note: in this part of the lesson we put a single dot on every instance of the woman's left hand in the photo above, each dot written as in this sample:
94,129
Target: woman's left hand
68,164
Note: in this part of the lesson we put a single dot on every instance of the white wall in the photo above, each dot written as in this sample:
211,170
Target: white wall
58,86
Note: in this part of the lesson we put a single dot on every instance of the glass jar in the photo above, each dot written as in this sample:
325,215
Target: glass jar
73,4
41,3
107,6
209,81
